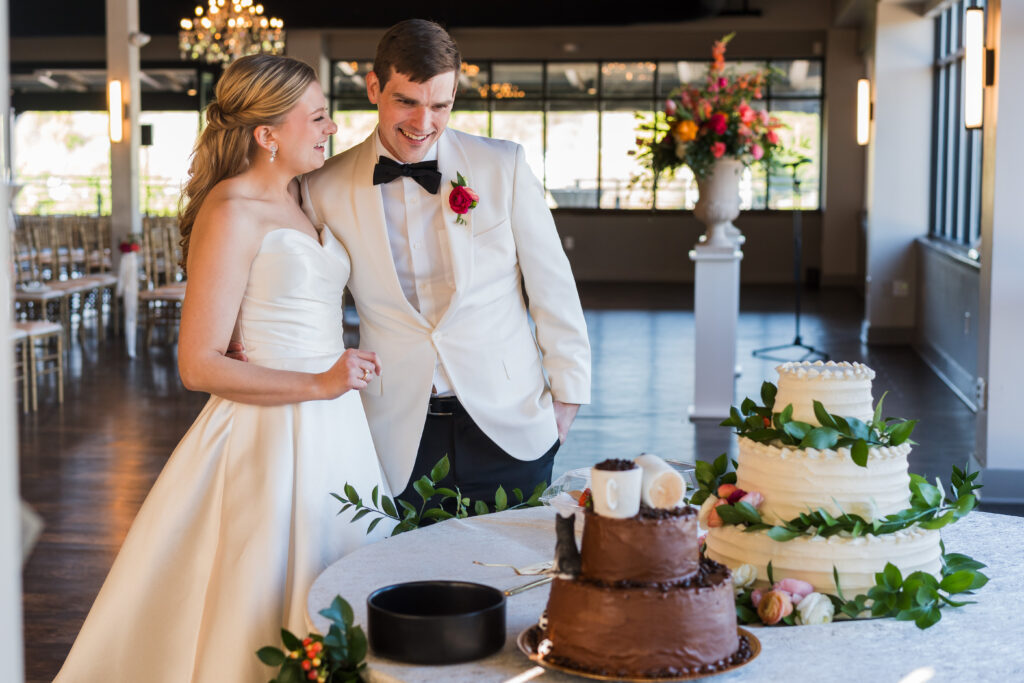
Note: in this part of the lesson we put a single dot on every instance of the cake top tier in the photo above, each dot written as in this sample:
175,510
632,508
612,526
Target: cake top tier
843,388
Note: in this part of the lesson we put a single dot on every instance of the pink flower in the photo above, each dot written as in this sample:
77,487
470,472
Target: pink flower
756,151
718,123
772,137
717,149
746,113
722,82
795,588
755,597
744,130
670,107
700,543
754,498
763,115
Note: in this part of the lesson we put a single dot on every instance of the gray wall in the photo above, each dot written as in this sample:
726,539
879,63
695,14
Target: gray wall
947,309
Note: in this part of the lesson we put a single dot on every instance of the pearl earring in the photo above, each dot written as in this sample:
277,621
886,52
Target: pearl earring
273,153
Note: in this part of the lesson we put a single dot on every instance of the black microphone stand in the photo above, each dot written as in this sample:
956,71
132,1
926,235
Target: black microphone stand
797,343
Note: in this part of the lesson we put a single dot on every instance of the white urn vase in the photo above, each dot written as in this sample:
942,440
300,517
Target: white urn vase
719,203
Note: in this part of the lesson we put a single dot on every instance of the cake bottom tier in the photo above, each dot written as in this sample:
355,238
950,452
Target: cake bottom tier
811,558
645,630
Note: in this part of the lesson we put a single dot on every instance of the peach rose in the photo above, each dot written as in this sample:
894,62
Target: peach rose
774,607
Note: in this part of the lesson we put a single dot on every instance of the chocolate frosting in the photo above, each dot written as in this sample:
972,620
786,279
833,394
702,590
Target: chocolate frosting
645,631
641,549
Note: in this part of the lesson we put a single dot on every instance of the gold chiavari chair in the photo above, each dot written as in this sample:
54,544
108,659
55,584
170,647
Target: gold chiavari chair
33,297
161,300
43,359
19,339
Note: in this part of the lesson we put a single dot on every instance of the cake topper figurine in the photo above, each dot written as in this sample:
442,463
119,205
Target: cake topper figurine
567,555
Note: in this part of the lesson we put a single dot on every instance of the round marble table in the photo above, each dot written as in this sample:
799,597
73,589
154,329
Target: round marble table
980,642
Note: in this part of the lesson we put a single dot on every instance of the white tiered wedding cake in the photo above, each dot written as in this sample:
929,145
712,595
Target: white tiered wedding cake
795,480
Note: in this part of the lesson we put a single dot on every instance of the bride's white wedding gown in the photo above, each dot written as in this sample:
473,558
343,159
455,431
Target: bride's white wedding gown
241,520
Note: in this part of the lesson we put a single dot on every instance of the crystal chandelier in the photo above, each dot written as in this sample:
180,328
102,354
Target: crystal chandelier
228,30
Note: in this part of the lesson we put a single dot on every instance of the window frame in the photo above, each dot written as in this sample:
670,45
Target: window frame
597,101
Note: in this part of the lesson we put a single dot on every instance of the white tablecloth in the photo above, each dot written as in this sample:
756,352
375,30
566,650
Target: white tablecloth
982,642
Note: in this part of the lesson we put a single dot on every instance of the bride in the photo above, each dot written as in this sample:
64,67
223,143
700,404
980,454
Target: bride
240,521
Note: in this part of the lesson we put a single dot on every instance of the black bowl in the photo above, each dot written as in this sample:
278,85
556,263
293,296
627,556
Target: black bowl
436,622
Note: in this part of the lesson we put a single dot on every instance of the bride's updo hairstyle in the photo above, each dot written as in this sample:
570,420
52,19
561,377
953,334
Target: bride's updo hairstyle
256,90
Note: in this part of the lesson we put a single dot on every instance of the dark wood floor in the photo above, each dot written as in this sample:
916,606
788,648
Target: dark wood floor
86,466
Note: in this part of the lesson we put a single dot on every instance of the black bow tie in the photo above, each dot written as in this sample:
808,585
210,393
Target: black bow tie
425,173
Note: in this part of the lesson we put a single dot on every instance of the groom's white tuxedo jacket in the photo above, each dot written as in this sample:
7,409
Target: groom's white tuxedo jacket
484,339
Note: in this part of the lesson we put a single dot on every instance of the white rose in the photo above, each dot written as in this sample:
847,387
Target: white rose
743,577
815,608
705,510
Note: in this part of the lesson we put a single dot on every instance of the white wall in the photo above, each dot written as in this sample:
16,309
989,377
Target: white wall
1002,277
897,182
10,527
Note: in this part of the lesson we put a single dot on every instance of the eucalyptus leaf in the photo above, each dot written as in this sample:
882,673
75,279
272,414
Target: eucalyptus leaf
729,514
820,438
938,522
891,576
787,414
721,464
518,495
747,406
797,430
351,492
901,432
858,428
928,618
438,514
958,582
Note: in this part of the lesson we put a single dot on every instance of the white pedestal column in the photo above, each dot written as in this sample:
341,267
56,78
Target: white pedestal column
716,309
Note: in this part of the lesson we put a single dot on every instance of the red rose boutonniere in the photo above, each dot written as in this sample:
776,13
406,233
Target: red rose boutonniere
462,199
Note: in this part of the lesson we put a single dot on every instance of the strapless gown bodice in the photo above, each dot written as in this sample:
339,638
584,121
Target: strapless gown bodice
292,308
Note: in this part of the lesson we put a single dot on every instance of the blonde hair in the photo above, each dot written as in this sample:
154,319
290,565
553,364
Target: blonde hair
256,90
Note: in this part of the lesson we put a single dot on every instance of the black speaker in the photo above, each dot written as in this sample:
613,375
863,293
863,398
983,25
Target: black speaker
146,139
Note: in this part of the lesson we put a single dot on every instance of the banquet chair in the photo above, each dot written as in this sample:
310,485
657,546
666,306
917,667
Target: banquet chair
160,302
42,336
19,339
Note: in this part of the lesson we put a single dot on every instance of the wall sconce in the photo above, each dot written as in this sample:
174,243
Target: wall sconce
863,111
974,66
115,110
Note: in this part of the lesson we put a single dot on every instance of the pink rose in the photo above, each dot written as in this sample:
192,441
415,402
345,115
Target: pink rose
722,82
772,137
755,597
718,149
462,199
746,113
670,107
795,588
763,115
756,151
754,498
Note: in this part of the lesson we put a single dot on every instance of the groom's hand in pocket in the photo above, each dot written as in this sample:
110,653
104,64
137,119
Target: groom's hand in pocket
236,351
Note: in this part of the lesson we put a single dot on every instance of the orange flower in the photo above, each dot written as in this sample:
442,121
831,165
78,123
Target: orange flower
684,131
774,607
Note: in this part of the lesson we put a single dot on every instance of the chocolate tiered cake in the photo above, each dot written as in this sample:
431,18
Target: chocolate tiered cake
644,604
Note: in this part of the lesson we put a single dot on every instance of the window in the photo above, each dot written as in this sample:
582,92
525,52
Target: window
956,151
577,122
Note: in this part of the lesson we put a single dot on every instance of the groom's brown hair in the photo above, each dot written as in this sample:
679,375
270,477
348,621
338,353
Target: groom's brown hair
418,49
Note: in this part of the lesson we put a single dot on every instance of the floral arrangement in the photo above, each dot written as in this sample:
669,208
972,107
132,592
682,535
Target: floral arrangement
130,244
337,657
701,124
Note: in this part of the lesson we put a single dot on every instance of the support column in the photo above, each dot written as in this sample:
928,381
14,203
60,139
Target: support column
11,651
716,307
1002,278
898,184
123,65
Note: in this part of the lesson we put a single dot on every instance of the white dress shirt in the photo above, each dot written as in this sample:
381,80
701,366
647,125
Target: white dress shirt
419,247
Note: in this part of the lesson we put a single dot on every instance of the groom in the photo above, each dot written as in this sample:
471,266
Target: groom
438,281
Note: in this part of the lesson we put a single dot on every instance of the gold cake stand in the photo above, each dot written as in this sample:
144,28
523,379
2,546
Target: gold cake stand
530,638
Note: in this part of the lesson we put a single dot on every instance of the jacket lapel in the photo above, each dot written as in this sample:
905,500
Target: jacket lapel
370,218
451,161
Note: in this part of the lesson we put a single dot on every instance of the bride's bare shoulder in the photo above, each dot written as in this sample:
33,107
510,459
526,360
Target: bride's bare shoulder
228,212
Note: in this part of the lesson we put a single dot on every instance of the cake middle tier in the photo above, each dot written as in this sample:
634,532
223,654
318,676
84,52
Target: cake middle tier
794,480
655,546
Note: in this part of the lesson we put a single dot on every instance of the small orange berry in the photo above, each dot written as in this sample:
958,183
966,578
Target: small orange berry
307,665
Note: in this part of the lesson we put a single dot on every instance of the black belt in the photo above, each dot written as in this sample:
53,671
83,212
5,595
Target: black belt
442,406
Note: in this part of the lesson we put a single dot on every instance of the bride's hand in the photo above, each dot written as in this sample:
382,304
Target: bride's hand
354,370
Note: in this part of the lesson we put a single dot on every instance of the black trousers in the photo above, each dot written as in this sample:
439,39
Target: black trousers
478,465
